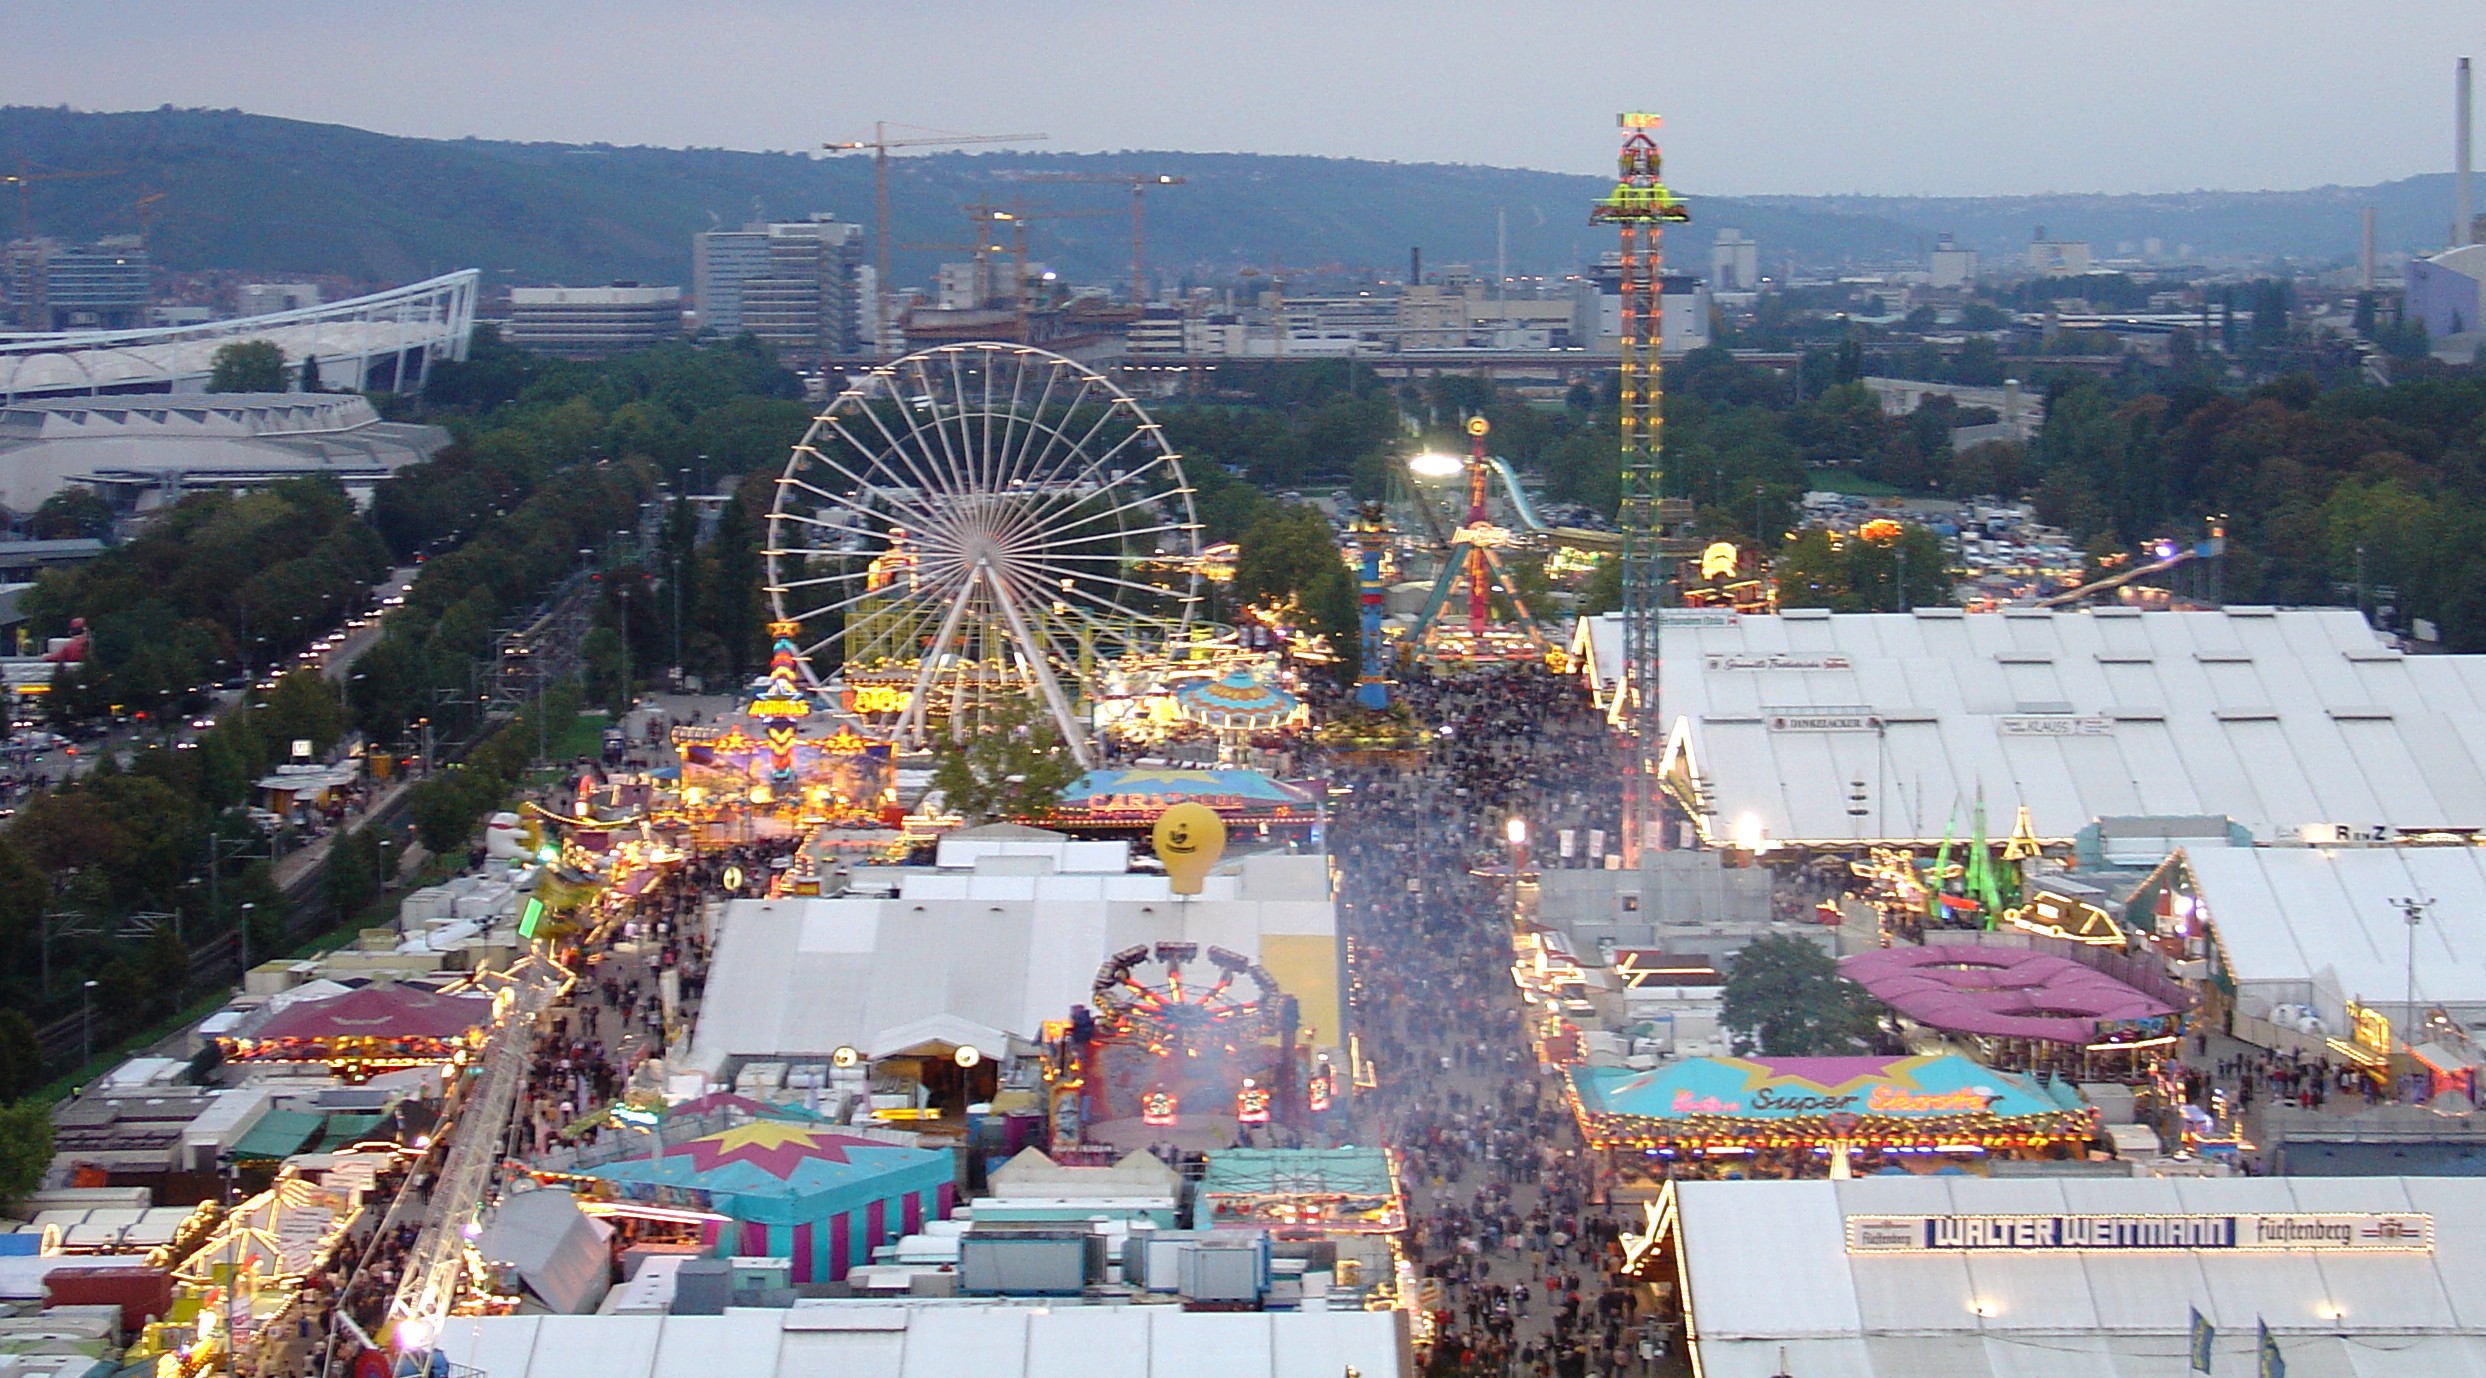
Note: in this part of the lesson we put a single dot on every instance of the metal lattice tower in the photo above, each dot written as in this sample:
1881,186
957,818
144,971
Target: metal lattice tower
1640,207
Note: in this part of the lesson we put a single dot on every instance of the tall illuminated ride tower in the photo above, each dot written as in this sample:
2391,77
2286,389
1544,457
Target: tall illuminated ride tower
1640,207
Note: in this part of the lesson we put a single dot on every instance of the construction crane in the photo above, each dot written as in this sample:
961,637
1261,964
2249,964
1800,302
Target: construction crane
1016,217
145,207
32,313
1139,183
880,143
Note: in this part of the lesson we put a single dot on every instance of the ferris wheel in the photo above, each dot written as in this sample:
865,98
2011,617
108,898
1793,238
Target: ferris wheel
975,522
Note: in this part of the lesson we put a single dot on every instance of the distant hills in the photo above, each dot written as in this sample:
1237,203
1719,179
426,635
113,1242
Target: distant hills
274,196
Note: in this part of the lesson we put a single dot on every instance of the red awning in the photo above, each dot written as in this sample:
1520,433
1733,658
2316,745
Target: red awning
379,1012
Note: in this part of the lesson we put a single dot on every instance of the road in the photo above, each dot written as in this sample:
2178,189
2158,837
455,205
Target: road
333,661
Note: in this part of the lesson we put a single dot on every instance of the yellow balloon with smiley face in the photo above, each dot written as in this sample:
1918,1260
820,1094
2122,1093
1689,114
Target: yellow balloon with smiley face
1188,838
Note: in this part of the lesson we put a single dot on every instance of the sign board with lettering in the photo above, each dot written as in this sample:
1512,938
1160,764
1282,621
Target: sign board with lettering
1721,660
2410,1232
2053,725
1815,720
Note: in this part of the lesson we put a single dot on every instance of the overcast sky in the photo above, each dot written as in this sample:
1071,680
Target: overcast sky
1806,96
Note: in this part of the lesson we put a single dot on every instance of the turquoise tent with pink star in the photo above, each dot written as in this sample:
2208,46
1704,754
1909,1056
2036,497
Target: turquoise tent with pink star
808,1192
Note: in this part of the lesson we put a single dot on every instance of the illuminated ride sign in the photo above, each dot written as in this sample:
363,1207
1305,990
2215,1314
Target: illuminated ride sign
2407,1232
876,698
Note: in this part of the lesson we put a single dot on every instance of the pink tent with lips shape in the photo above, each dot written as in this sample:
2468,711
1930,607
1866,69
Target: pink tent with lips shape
1999,992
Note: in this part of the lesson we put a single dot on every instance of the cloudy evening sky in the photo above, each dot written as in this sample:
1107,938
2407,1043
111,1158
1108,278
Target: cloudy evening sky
1797,96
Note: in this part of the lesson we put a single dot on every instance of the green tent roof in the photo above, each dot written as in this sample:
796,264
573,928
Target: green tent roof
280,1134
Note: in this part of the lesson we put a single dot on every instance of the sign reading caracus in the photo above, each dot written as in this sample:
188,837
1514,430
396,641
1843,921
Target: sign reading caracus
1879,1234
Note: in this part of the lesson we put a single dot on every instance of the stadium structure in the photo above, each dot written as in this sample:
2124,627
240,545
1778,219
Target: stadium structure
386,340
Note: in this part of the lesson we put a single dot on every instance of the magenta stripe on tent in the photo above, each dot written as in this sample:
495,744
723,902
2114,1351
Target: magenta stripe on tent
804,1265
841,1227
912,1206
754,1240
875,1226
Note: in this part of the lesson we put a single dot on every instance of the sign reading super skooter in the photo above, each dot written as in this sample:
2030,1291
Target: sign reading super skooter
2411,1232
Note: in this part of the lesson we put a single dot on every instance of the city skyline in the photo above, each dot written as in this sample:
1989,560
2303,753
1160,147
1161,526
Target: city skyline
1799,99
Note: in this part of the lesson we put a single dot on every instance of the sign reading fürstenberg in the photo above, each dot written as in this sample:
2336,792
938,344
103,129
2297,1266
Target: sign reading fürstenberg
1882,1234
1720,660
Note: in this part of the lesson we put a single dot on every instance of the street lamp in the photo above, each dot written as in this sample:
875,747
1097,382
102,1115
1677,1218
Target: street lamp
2412,912
86,1023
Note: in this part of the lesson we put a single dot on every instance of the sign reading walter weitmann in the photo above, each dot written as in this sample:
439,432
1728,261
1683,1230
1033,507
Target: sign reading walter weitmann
2403,1233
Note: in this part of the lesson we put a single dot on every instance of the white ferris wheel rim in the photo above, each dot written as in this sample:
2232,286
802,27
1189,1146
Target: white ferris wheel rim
1021,487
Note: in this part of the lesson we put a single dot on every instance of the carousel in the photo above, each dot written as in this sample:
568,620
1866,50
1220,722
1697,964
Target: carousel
1238,708
1183,1044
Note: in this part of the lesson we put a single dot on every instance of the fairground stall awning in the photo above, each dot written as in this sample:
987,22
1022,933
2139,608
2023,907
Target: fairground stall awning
808,1192
382,1024
1134,798
1347,1190
1237,702
2003,992
1718,1102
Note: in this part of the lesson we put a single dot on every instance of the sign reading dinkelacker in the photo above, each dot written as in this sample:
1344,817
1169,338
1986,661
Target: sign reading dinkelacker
1881,1234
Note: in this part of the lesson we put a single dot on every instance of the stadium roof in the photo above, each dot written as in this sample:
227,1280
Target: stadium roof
412,326
2279,720
1775,1287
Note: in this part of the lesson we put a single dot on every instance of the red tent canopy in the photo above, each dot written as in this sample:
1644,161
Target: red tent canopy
379,1012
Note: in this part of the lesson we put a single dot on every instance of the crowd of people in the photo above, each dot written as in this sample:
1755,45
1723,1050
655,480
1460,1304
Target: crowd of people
1508,1224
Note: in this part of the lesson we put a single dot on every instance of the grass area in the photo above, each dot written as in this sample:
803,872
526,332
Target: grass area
1849,482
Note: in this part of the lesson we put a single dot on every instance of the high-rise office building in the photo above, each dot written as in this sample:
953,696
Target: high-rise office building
593,322
798,285
99,286
721,262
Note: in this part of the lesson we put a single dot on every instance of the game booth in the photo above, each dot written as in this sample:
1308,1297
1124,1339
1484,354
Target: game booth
1315,1191
1785,1117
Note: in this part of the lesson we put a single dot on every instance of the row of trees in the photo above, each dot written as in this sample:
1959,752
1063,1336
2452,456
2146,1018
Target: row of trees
220,583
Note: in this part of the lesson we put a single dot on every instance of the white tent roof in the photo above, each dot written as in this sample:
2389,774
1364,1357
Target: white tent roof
2297,913
2276,719
1768,1267
957,956
932,1340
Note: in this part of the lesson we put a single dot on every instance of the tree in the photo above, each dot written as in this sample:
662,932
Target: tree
1785,998
302,707
73,512
1013,765
21,1056
604,660
247,366
25,1150
353,872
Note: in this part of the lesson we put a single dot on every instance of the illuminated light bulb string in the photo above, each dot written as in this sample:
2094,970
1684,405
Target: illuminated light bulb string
1639,207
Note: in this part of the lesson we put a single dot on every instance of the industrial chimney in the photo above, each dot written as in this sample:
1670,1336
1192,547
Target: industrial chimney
2462,229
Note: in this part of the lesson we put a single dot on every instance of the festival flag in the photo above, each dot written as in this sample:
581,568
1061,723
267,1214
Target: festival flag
2272,1365
1942,868
2203,1337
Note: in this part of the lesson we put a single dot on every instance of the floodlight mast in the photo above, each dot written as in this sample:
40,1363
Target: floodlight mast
1639,207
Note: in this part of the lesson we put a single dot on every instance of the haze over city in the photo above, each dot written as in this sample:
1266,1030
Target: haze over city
1808,97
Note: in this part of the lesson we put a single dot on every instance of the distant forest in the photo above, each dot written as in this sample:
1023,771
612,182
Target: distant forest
225,189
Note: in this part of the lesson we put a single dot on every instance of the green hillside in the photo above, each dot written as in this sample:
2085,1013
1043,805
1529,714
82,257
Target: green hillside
276,196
